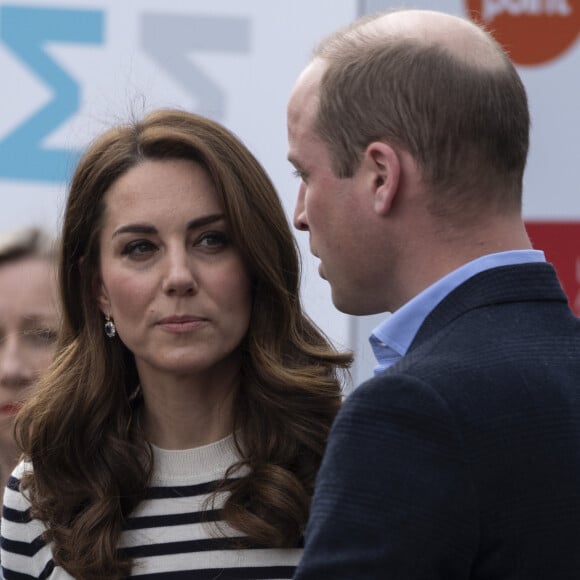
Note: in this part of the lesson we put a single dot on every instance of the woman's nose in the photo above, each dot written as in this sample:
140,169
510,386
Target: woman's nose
16,369
179,277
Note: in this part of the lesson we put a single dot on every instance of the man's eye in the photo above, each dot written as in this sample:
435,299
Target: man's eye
299,174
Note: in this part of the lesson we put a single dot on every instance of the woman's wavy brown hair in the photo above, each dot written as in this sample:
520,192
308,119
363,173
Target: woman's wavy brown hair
91,462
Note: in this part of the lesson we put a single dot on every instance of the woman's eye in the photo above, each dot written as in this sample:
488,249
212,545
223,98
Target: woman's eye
138,249
213,240
42,336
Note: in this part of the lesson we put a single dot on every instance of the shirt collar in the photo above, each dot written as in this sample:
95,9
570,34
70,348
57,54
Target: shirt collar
392,338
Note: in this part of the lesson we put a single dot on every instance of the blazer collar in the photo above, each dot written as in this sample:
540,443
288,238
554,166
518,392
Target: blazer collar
516,283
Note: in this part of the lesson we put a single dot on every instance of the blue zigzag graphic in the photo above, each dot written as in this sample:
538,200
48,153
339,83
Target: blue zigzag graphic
25,31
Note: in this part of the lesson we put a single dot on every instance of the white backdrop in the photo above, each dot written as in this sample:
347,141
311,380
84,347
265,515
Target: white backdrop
69,69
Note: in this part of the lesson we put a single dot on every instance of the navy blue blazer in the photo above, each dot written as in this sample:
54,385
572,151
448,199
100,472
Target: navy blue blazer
462,461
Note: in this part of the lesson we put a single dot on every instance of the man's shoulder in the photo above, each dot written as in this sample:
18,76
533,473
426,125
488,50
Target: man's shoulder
487,347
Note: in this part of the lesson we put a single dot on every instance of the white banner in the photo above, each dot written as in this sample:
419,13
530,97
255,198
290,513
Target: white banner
71,69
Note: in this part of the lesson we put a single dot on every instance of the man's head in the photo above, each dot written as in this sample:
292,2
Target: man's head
432,105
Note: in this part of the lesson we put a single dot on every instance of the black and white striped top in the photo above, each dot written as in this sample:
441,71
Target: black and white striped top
173,534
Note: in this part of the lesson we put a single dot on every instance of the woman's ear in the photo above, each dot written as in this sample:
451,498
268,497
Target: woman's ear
386,167
101,295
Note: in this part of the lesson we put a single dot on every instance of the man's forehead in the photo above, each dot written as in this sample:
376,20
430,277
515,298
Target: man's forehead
308,83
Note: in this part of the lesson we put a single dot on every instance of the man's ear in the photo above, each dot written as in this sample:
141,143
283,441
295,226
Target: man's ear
385,165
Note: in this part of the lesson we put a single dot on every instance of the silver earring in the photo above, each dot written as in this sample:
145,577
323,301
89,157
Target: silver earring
110,329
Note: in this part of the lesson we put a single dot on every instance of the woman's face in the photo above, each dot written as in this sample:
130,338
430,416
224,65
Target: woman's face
177,289
28,327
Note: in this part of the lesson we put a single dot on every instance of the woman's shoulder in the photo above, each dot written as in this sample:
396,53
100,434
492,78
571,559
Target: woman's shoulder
13,496
23,548
22,468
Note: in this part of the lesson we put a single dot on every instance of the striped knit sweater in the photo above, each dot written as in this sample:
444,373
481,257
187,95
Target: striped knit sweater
165,535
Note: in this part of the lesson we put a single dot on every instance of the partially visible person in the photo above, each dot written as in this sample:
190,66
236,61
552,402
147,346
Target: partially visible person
180,429
28,325
460,459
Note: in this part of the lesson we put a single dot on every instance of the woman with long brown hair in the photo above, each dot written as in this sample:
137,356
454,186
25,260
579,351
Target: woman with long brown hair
180,429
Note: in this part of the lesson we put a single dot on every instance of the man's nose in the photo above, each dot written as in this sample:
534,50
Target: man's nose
300,221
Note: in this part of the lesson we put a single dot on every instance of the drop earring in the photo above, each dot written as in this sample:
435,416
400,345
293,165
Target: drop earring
110,329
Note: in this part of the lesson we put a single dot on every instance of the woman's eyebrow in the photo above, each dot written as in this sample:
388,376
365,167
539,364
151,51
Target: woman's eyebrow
144,228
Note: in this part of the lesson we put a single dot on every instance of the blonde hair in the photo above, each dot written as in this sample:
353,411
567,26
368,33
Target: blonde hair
32,242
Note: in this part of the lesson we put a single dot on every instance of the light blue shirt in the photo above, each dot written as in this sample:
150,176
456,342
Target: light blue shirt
392,338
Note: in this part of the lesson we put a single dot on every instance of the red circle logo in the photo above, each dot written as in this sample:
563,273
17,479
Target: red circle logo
532,31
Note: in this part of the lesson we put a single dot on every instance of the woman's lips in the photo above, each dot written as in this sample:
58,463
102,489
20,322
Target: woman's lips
180,324
10,408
